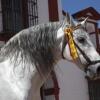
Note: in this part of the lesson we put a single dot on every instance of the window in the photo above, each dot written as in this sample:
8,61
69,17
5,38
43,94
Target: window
11,11
18,14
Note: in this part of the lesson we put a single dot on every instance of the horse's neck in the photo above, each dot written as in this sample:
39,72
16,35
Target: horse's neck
20,85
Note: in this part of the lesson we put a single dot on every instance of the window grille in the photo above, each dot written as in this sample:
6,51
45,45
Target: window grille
14,14
32,12
11,11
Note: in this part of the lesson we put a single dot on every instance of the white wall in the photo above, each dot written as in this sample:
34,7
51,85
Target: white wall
60,10
90,27
73,85
43,11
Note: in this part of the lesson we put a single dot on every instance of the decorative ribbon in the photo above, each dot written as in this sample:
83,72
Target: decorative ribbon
73,51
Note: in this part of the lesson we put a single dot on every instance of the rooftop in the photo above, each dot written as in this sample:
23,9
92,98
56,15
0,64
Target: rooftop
87,12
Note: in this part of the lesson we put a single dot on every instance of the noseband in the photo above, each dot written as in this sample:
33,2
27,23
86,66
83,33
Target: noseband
68,38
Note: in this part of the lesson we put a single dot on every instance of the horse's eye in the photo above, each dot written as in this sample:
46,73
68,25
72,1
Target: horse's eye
81,40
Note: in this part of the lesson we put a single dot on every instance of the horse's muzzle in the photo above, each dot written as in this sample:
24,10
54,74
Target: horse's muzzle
93,71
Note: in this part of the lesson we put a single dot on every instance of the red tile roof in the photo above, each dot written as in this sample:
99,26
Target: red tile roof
87,12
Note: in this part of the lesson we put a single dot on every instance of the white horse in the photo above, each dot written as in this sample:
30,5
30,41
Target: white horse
27,59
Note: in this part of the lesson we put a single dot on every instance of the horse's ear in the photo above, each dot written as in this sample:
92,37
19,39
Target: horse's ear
68,21
83,23
68,18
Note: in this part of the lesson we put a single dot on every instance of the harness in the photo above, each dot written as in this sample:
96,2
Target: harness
73,47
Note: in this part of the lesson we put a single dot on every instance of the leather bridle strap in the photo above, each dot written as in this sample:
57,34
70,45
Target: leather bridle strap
63,46
89,62
83,53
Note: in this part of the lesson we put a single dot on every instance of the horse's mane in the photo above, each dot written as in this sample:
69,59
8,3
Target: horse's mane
34,45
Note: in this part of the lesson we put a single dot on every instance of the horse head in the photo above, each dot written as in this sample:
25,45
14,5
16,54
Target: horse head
78,48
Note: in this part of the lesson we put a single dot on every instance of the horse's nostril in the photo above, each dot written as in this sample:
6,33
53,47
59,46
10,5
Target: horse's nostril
98,70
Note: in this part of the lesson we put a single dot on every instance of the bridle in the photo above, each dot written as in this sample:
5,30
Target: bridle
68,38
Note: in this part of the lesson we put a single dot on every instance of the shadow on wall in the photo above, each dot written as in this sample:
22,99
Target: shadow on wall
72,82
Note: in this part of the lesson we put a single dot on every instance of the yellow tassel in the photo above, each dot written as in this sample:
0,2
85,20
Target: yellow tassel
73,50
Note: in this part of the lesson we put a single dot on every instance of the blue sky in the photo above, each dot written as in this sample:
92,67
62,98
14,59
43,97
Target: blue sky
73,6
